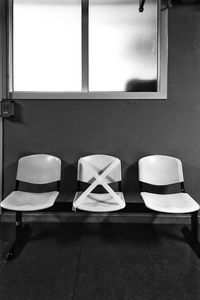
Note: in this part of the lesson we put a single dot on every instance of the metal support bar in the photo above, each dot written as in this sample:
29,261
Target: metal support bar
191,237
18,222
120,186
194,225
140,186
182,187
85,40
58,185
78,185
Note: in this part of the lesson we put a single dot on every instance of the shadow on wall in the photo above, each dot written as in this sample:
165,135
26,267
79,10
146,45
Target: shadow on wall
191,179
130,181
68,180
130,178
194,3
187,2
11,171
68,177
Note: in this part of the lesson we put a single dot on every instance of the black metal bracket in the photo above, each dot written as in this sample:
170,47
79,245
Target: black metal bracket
167,6
7,108
141,5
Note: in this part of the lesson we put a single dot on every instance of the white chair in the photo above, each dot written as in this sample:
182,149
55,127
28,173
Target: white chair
163,170
99,170
34,169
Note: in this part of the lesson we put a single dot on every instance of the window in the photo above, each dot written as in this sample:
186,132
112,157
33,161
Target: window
47,45
87,49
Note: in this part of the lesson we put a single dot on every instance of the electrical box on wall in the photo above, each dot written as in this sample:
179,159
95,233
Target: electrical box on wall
7,108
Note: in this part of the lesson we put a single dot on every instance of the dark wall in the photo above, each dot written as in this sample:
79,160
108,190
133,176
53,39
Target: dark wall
124,128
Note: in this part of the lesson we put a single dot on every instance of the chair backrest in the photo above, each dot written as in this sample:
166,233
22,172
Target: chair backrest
98,163
160,170
39,169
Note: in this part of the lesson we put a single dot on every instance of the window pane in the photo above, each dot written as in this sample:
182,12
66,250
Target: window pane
122,46
47,45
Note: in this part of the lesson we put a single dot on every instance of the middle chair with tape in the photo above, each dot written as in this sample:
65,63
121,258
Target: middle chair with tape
99,170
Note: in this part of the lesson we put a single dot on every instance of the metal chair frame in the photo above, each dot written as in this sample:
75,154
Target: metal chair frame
22,233
191,236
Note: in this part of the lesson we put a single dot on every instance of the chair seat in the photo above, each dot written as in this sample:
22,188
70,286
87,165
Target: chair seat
25,201
99,202
170,203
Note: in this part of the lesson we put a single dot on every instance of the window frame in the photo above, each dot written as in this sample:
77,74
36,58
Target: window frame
162,65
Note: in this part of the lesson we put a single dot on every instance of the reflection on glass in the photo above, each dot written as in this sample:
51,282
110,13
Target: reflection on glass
47,45
122,46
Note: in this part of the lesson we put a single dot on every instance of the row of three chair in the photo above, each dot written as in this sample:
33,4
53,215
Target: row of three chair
100,170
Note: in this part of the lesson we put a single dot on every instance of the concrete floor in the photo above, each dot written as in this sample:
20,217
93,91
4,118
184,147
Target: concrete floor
100,262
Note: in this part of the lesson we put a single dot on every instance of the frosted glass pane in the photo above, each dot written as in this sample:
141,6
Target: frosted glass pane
47,45
122,46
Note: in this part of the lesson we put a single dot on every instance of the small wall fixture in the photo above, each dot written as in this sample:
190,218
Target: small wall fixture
7,108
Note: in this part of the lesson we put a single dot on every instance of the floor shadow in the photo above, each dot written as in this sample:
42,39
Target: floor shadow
21,240
194,244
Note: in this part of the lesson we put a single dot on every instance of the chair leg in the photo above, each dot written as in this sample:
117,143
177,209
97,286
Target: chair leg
18,222
21,238
191,236
1,240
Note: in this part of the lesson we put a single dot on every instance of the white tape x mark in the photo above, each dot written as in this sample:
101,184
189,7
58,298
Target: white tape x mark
99,180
